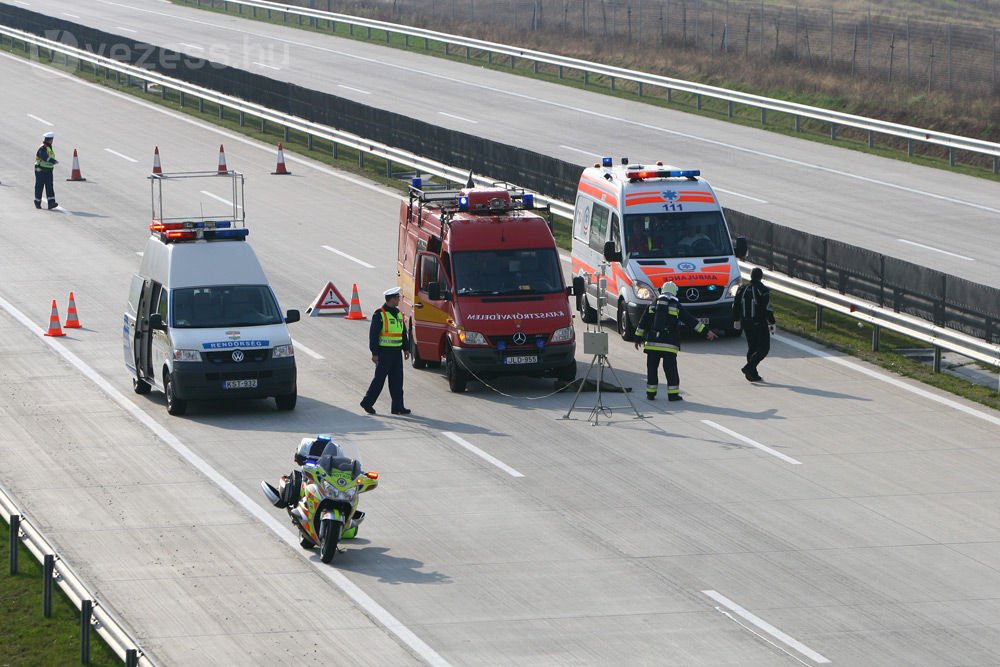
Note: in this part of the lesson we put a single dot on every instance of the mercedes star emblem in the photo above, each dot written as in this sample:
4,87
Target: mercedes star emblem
520,338
692,294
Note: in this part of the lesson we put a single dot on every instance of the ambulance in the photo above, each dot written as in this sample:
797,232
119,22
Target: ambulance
637,226
202,321
482,285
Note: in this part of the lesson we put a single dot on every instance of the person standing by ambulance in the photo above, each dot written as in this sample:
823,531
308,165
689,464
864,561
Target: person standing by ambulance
752,312
389,345
45,163
659,328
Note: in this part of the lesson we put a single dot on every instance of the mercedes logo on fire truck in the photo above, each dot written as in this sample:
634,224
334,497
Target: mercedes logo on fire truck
237,356
520,338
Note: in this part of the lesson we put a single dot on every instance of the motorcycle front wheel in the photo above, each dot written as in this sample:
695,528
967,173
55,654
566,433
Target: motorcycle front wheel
328,541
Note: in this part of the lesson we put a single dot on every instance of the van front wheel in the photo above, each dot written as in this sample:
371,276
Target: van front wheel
457,377
415,359
625,326
175,406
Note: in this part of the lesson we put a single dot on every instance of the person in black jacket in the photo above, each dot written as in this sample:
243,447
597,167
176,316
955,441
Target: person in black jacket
659,328
389,345
753,314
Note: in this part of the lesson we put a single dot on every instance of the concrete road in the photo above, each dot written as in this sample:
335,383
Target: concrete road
927,216
835,513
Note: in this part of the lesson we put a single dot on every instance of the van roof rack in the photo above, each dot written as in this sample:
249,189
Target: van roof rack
225,217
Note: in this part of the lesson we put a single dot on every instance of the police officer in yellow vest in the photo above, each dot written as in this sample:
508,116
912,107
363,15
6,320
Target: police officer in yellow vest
45,163
659,328
389,344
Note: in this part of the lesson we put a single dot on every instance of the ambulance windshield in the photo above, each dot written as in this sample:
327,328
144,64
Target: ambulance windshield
224,306
498,272
696,234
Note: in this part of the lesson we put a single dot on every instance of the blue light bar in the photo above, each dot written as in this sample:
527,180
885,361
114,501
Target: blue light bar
529,200
607,162
416,183
227,233
463,203
686,173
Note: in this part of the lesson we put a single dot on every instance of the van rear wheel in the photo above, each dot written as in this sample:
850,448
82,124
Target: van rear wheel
140,386
175,406
286,401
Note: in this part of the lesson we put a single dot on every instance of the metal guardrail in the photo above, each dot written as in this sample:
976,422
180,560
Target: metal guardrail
99,617
835,119
939,337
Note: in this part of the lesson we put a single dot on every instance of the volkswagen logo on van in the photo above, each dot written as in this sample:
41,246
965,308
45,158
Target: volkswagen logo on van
686,266
520,338
692,294
237,356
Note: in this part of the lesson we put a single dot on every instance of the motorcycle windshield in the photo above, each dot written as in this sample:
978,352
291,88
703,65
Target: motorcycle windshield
336,458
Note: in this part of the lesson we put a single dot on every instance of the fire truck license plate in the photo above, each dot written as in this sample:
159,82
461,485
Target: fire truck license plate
523,359
240,384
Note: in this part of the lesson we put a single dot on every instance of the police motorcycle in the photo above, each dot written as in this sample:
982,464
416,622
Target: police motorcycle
321,496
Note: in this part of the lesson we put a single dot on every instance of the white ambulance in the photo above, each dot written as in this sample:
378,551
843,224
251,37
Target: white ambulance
202,321
642,225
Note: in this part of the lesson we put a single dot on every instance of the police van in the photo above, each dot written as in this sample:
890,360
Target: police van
637,226
202,321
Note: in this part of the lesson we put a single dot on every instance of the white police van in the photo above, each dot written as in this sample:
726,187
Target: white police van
202,321
643,225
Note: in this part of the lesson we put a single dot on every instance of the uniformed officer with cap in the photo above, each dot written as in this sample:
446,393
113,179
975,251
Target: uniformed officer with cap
389,344
45,163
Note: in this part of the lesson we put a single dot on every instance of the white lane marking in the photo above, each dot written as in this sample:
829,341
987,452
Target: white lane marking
215,129
353,259
737,194
218,198
266,65
582,110
192,46
478,452
311,353
40,120
279,528
22,2
927,247
124,157
580,150
829,356
462,118
357,90
72,16
785,639
752,443
118,27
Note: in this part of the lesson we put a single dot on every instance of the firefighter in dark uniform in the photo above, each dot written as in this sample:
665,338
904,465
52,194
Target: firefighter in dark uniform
45,163
659,328
389,344
753,314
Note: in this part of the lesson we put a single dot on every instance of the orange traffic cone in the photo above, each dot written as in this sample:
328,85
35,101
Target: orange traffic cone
72,321
281,170
54,328
76,175
355,312
157,169
222,161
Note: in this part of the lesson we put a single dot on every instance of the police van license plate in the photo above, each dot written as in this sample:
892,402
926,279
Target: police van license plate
522,359
240,384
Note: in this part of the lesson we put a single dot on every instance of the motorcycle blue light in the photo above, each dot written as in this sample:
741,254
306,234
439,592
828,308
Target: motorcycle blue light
529,200
607,162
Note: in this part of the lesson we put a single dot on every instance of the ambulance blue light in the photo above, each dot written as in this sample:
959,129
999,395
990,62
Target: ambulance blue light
687,173
607,162
463,203
529,200
416,183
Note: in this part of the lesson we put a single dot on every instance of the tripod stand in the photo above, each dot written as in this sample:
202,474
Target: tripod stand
596,343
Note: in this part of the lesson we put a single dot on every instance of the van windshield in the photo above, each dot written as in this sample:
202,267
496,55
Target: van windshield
224,306
700,234
521,271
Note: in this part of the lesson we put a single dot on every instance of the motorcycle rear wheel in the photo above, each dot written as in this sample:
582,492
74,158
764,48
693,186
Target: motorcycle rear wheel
328,546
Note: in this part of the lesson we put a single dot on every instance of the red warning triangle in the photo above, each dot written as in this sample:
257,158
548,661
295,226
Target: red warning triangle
329,299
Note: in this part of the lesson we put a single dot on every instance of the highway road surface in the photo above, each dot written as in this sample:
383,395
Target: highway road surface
835,514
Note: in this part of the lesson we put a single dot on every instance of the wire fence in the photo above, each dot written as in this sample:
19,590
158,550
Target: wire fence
875,44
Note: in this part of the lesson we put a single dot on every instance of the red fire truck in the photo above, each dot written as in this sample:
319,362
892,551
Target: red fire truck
482,285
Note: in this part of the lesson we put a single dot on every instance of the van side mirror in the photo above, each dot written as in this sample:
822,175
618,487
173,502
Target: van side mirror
579,288
292,316
741,247
156,322
611,254
434,291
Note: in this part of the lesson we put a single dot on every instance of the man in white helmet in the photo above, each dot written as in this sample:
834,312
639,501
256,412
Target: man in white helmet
659,329
45,163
